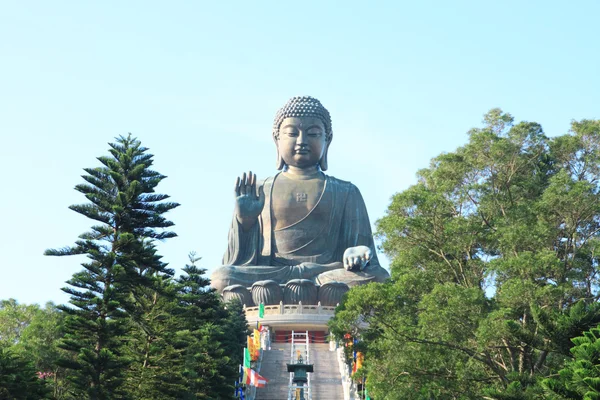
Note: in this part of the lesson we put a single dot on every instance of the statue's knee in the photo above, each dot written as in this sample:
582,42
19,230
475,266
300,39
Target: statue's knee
221,277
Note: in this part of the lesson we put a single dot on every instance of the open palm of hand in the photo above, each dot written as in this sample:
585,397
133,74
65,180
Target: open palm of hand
248,203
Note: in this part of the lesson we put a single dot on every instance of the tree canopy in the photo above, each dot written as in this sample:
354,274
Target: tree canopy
132,330
494,267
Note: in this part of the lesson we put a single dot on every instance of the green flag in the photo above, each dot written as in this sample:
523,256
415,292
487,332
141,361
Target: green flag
246,358
367,394
261,310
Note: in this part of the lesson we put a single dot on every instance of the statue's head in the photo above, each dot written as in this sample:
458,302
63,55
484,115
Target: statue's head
302,133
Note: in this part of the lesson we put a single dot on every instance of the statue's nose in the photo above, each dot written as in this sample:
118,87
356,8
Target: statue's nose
301,139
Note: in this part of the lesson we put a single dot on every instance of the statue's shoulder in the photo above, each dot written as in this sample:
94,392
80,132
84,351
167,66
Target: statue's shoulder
266,181
341,185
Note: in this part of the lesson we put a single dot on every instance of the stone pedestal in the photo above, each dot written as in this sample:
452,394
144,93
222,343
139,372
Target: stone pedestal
297,305
292,317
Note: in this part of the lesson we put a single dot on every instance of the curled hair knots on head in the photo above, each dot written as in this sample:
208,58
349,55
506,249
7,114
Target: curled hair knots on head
303,106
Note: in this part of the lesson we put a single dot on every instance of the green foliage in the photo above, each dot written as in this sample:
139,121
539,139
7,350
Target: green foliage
580,379
131,330
494,267
40,344
18,378
33,334
14,319
149,310
122,262
183,344
210,337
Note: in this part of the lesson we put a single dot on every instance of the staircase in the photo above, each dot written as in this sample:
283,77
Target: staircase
273,367
326,381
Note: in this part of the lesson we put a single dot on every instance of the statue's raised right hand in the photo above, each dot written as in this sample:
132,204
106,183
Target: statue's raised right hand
248,204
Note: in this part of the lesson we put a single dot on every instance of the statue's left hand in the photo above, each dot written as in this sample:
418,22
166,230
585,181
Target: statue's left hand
357,257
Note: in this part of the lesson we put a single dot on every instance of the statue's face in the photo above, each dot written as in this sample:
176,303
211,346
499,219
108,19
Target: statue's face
302,141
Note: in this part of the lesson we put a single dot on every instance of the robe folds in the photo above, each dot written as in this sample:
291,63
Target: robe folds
311,248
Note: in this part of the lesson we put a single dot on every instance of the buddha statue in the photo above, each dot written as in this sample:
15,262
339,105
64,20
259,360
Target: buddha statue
300,227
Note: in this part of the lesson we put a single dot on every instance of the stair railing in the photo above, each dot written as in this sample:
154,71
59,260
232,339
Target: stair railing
294,360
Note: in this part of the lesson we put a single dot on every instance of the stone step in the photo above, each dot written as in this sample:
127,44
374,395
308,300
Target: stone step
326,382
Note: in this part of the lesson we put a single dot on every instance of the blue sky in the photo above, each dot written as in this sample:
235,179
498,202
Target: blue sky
199,84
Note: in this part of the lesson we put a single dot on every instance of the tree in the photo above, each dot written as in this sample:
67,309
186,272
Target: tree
494,267
210,337
580,379
18,378
39,345
190,345
14,319
122,199
32,335
153,372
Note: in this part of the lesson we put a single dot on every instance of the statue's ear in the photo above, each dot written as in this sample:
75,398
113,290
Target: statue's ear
323,162
280,162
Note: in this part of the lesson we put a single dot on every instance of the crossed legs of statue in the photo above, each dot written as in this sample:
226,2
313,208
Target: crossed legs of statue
333,280
320,274
228,275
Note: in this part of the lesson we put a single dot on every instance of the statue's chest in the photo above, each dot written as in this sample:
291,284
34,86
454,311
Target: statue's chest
293,200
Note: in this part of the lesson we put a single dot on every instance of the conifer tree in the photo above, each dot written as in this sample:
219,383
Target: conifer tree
236,331
580,379
206,365
152,373
122,199
204,342
18,378
189,345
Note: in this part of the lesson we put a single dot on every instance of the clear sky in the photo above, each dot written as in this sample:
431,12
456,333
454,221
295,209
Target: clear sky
199,82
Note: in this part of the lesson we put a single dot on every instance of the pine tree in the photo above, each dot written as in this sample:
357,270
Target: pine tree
18,378
187,344
122,198
236,331
152,373
201,316
210,337
580,379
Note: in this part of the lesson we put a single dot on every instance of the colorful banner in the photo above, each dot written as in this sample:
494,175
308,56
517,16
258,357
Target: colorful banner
246,358
252,349
246,379
258,380
359,360
256,340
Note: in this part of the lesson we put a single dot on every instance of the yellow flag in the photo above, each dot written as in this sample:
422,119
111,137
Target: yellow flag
359,360
256,339
251,348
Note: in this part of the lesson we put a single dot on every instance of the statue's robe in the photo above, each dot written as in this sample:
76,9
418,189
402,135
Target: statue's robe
311,248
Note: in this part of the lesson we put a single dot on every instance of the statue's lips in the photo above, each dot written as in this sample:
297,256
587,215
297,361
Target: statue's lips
303,151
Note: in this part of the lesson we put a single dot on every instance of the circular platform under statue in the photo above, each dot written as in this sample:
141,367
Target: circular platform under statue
291,316
238,292
300,291
266,292
330,294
